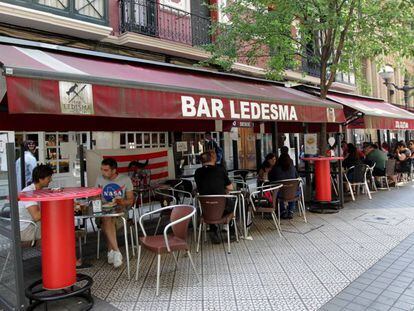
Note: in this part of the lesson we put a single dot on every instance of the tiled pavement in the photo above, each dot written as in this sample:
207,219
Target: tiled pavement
388,285
302,270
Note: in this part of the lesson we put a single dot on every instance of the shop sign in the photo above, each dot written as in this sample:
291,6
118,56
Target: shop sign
401,125
311,144
182,146
76,98
242,124
213,108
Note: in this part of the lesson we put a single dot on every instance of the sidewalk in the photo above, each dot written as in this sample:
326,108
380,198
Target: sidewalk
303,270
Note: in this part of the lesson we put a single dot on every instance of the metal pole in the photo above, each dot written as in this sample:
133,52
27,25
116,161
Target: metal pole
82,165
15,226
258,152
340,177
295,141
22,168
275,141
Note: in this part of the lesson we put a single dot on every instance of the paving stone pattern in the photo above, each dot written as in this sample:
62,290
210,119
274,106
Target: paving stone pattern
388,285
302,270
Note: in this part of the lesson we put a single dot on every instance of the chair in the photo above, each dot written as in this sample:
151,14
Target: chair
125,226
168,243
371,177
212,208
289,193
165,198
267,195
5,216
239,173
389,171
359,178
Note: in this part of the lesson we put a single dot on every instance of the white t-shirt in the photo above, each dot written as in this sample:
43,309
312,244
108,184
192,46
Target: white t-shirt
30,163
23,205
117,187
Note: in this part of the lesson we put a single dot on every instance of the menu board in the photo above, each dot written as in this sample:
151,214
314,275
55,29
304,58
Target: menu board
311,144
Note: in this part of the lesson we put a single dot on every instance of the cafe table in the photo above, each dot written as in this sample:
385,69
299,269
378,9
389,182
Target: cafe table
58,237
111,212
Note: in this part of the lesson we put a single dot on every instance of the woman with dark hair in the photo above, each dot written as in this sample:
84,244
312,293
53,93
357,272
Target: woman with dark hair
138,174
403,156
352,157
268,163
284,169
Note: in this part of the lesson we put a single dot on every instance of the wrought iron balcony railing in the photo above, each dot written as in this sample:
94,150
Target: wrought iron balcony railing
93,11
151,18
311,69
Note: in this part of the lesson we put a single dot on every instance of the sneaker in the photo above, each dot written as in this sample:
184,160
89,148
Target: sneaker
111,257
290,215
117,259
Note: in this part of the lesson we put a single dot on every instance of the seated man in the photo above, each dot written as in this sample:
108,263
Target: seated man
30,210
212,180
117,188
375,156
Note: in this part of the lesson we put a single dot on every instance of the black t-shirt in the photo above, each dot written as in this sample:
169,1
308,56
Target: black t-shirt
211,180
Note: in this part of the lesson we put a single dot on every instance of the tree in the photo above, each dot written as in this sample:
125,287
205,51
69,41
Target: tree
334,35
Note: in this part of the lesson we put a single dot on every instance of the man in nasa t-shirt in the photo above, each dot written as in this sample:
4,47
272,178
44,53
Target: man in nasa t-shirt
115,188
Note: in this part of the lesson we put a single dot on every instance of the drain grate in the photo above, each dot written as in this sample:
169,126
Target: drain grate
380,219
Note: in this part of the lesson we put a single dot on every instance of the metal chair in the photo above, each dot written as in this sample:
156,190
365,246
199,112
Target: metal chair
371,177
32,243
211,209
125,225
359,178
389,171
168,243
289,193
262,194
165,198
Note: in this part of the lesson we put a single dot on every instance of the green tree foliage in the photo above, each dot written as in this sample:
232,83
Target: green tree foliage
332,35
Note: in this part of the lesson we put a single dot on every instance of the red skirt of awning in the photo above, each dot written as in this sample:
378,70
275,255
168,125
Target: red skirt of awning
44,82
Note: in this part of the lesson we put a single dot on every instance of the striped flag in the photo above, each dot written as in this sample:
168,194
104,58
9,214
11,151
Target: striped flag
157,163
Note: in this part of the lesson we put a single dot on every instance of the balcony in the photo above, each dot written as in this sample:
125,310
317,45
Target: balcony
311,69
95,11
151,18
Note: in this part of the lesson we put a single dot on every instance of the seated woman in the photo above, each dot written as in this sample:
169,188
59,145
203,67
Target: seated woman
284,169
403,156
264,169
352,159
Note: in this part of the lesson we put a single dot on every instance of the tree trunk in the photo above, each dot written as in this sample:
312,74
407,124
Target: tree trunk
323,146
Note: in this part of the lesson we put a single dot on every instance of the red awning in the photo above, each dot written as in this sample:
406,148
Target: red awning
377,113
52,83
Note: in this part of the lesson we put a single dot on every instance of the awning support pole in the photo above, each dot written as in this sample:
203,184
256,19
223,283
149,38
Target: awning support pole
22,168
275,142
82,165
340,171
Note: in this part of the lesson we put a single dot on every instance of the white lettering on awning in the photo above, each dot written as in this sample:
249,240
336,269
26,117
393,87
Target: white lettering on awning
215,108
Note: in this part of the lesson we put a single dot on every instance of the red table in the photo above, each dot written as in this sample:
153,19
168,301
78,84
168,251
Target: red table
322,177
58,233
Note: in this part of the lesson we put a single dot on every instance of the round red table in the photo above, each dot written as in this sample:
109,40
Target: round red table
322,177
58,233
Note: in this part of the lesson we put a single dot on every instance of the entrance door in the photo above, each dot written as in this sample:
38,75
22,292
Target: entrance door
247,148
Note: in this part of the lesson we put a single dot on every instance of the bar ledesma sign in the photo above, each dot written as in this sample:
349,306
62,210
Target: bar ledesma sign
231,109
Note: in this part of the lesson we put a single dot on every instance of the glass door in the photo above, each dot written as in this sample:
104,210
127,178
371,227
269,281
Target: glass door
11,270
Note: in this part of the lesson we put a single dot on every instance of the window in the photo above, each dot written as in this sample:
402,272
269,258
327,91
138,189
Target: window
55,153
132,140
348,78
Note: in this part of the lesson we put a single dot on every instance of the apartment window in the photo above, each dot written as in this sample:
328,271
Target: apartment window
132,140
348,78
